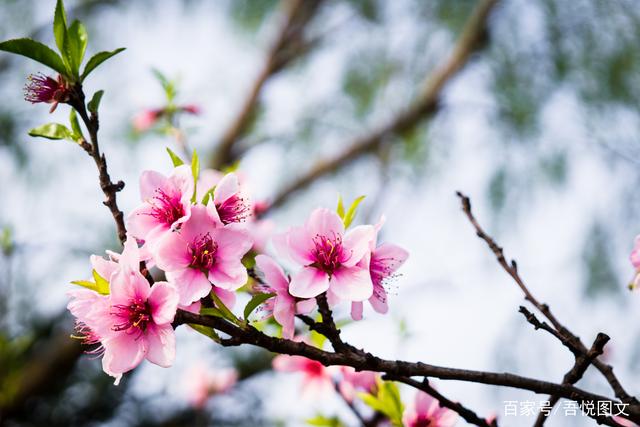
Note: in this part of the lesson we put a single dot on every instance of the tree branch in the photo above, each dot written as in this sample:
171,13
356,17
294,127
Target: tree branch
467,414
567,336
426,104
363,361
288,45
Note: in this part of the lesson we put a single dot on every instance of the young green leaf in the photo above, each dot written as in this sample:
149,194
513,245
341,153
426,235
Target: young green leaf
208,332
351,213
168,85
101,282
95,102
386,400
86,284
322,421
60,26
36,51
75,125
77,41
226,313
340,208
195,171
52,131
177,161
254,303
96,60
211,311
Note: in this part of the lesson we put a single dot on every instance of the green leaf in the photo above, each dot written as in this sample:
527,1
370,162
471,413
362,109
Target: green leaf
75,125
317,339
211,311
168,85
60,26
96,60
77,40
195,171
86,284
386,400
208,195
340,208
226,313
351,213
95,102
206,331
36,51
52,131
101,282
177,161
254,303
322,421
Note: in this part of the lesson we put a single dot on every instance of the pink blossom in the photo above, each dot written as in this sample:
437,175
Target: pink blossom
166,203
316,378
331,259
145,119
283,305
130,258
354,381
207,179
426,411
41,88
202,253
386,259
130,324
201,383
232,205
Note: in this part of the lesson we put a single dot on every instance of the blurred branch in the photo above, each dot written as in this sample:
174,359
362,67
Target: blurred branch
426,105
569,339
467,414
39,374
364,361
288,45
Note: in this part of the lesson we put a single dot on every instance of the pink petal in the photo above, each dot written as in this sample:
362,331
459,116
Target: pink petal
387,258
172,252
130,258
324,222
161,345
352,284
182,180
128,285
273,273
232,244
103,267
200,223
227,187
190,283
379,299
228,274
228,298
122,353
357,244
284,313
308,283
163,300
286,363
141,223
356,310
424,403
150,181
305,306
299,244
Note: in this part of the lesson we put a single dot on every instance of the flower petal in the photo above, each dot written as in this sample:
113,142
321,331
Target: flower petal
273,273
356,310
190,283
308,283
161,345
227,187
284,312
324,222
163,300
352,284
123,352
150,181
357,244
172,252
228,274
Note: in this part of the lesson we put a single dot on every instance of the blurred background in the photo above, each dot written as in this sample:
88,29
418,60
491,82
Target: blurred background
540,128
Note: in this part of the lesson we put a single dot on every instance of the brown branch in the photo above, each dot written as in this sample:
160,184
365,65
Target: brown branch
426,104
580,366
288,45
109,188
567,336
467,414
363,361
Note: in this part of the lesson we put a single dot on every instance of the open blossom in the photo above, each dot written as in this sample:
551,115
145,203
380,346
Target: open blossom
203,253
354,381
41,88
201,383
331,259
284,306
316,378
385,260
166,203
232,205
145,119
426,411
130,324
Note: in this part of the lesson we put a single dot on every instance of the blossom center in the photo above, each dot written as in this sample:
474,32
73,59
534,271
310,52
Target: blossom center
88,337
136,315
234,209
165,208
421,421
327,252
203,252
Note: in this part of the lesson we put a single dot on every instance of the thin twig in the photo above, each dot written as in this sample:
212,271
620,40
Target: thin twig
426,104
467,414
567,336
